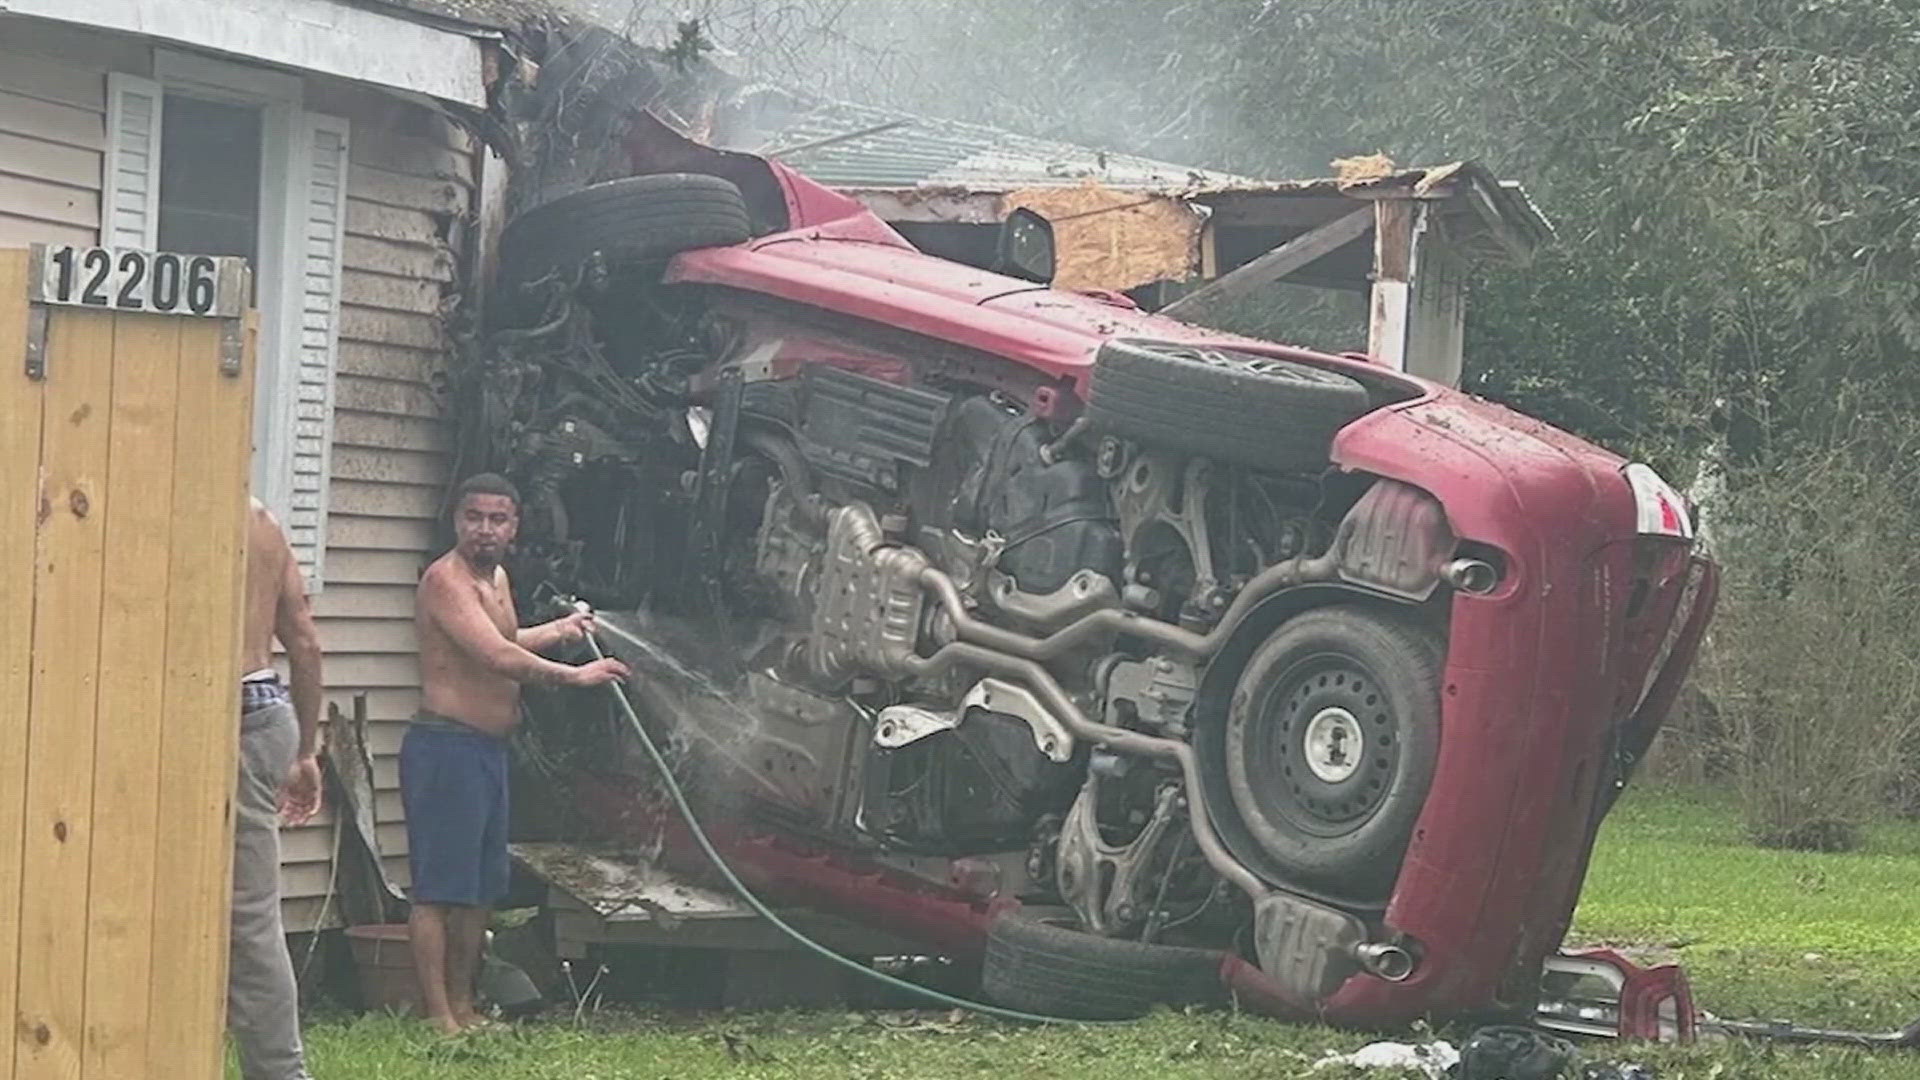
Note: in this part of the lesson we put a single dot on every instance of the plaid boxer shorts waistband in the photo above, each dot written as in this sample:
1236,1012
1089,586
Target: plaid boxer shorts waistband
261,694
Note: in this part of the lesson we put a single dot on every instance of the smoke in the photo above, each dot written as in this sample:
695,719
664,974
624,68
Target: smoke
1148,77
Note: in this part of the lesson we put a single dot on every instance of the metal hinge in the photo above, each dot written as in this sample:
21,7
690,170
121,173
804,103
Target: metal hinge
36,364
232,345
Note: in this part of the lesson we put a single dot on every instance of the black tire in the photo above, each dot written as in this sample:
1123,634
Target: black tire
638,220
1330,745
1037,966
1233,406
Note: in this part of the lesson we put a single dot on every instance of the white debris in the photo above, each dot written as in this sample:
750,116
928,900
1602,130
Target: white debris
1431,1060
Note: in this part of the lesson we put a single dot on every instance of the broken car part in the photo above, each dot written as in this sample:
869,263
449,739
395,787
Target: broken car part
1242,588
664,771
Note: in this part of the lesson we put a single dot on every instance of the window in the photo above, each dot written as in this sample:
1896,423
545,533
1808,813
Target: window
210,178
213,158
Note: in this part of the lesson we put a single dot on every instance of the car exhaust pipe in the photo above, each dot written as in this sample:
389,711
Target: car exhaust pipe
1389,962
1474,576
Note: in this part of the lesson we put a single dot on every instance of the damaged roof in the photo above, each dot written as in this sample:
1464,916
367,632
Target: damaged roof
493,15
866,149
841,144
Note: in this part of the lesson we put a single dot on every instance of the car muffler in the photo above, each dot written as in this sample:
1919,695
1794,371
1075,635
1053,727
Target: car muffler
1310,949
1475,576
1392,963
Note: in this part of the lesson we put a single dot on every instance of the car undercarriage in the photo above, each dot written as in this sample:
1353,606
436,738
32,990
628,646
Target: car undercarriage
1132,663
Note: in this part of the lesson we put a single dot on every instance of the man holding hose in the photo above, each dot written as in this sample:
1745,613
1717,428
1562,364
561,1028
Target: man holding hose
453,764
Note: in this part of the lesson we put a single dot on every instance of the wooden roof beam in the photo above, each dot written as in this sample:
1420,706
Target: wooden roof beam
1279,262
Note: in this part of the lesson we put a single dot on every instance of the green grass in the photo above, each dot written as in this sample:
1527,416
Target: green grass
1816,938
1672,879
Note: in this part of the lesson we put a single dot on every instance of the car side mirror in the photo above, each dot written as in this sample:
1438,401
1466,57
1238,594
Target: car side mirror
1025,247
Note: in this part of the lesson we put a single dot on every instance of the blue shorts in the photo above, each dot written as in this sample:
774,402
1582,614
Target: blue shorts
453,786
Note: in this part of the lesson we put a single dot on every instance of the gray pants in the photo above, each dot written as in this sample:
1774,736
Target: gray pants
263,1001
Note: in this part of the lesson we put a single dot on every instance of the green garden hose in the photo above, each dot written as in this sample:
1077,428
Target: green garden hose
765,912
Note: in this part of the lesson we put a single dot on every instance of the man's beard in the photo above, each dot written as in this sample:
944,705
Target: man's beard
481,559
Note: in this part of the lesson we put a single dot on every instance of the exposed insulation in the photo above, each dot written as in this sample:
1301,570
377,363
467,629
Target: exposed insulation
1108,239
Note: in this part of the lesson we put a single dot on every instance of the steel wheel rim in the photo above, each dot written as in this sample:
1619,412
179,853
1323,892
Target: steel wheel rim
1324,750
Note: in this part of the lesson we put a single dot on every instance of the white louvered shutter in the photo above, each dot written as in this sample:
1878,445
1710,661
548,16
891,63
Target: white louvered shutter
130,180
321,205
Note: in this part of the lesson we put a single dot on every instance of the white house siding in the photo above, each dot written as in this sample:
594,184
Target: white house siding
52,135
411,172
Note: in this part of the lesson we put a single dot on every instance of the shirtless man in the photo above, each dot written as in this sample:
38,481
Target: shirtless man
279,777
453,763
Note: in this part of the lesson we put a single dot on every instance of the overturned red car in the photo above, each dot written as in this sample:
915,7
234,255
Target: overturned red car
1135,662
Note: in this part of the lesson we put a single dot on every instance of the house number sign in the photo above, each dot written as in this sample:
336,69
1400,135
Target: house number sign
129,279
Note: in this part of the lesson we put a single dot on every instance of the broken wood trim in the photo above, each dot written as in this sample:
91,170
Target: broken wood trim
1279,262
939,206
1396,225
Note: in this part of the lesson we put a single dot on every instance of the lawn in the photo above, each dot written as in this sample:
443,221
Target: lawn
1819,938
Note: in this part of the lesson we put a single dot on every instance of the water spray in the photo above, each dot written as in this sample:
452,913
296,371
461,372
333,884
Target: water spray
733,881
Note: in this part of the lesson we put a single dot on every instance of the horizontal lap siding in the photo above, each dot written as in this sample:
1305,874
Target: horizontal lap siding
408,172
53,121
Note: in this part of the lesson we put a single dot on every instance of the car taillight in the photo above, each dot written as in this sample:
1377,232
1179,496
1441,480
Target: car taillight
1661,510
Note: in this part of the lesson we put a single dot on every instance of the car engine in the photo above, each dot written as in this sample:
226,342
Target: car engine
837,517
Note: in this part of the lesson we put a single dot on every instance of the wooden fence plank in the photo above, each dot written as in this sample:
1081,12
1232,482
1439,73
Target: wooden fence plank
126,774
193,886
19,507
66,660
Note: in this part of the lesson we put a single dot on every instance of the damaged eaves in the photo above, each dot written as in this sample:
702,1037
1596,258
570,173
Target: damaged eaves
490,17
895,149
1493,218
924,169
588,80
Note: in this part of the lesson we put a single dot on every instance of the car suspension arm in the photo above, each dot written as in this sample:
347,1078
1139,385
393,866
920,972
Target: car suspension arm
1020,656
1042,682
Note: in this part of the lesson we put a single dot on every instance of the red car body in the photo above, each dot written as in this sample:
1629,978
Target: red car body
1552,683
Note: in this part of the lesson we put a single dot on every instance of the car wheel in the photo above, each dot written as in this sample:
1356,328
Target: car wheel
637,220
1236,407
1331,739
1037,965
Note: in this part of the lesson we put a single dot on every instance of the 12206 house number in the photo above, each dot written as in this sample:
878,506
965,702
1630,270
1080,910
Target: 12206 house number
126,279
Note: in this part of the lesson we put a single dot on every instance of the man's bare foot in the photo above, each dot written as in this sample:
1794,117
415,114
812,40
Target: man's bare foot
473,1021
445,1025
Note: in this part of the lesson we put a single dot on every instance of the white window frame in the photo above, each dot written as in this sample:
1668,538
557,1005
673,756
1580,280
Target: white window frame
288,347
279,97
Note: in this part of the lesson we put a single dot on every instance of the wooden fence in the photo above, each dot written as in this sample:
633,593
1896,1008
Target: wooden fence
123,487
